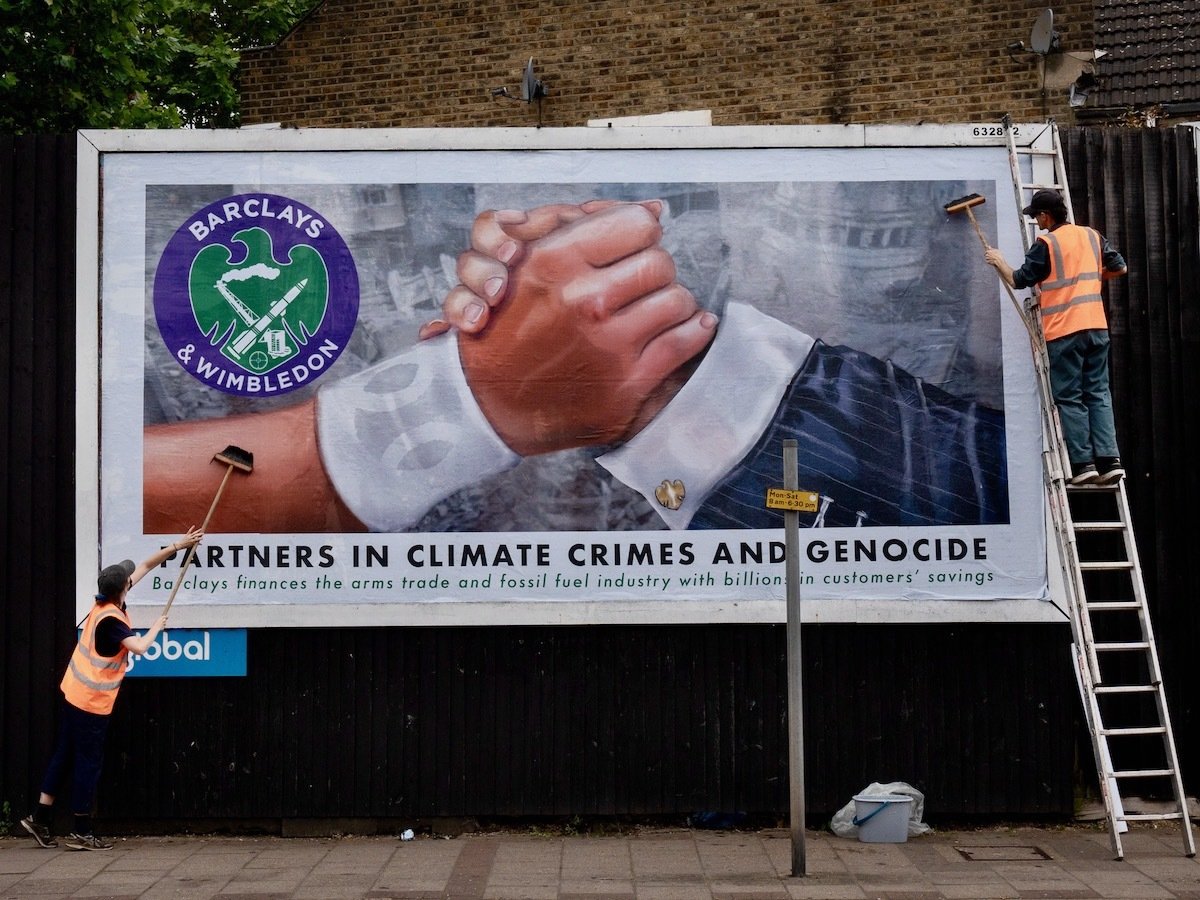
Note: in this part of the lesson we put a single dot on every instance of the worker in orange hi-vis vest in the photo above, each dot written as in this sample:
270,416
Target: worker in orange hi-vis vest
1069,263
90,687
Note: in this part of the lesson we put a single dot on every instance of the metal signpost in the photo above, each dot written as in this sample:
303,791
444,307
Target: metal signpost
791,500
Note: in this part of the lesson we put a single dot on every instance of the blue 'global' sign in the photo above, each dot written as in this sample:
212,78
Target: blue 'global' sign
192,653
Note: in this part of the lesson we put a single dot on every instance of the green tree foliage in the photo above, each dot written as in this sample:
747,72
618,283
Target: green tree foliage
68,64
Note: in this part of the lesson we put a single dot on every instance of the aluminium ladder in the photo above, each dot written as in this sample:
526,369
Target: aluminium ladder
1113,648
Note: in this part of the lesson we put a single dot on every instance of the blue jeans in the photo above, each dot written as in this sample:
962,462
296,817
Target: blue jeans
1079,379
81,748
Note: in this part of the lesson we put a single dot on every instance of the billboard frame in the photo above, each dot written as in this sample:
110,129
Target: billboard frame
94,146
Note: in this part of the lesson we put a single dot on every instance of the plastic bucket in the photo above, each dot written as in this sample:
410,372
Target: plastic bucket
882,818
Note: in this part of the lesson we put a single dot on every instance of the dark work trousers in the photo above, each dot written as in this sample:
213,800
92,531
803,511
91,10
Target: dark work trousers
80,748
1079,378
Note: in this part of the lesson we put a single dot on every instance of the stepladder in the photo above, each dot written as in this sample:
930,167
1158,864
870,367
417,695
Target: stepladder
1114,654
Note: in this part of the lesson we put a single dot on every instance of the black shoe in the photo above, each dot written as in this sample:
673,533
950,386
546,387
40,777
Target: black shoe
1111,470
87,842
1083,473
40,833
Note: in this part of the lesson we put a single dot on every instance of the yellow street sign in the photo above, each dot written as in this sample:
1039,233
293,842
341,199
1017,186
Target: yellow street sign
801,501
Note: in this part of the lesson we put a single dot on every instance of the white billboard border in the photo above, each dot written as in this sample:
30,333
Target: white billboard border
93,144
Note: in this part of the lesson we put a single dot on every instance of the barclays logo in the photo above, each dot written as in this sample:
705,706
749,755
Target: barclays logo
256,295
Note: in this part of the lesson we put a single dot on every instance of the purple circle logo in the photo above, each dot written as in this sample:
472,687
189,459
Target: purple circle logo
256,295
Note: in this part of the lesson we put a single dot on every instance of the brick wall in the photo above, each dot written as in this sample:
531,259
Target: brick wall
431,63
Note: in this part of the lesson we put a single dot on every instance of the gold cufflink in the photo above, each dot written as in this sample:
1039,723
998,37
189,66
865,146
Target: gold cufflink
670,494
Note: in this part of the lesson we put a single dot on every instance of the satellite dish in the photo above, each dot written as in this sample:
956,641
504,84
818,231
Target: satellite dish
1044,39
531,88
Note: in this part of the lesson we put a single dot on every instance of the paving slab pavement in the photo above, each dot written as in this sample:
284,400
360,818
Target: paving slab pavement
647,863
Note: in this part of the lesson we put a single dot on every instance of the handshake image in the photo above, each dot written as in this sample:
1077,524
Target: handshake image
572,354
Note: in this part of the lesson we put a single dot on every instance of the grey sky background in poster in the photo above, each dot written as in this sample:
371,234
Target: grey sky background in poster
876,265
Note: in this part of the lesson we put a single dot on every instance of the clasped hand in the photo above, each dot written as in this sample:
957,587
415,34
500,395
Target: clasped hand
572,326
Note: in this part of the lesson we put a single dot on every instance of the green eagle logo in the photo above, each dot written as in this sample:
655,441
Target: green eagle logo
261,311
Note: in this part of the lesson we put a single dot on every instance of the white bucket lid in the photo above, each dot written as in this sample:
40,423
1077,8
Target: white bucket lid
883,798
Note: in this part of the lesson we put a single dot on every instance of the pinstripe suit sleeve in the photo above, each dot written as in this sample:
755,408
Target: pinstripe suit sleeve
879,445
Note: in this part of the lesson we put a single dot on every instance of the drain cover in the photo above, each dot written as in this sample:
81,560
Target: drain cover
1003,853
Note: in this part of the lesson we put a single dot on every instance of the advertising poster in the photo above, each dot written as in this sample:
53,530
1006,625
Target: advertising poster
648,326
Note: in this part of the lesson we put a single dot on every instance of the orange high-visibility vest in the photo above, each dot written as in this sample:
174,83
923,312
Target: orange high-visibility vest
1070,298
91,681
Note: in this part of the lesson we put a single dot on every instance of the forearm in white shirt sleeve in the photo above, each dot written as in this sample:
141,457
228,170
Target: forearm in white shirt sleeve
404,434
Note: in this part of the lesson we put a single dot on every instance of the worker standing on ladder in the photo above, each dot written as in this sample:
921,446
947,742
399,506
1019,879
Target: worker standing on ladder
1069,262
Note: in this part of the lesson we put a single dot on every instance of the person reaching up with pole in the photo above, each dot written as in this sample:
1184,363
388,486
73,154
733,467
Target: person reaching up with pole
90,687
1068,263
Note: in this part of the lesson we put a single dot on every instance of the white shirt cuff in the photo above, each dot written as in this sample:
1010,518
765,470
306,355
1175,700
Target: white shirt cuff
402,435
714,420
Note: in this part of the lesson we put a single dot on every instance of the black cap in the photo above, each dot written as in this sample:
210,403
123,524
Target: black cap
112,580
1045,200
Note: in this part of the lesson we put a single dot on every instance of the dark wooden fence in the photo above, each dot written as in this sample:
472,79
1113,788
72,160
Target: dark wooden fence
1139,189
37,447
394,725
389,723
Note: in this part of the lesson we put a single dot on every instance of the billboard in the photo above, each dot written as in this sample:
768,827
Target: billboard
642,318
